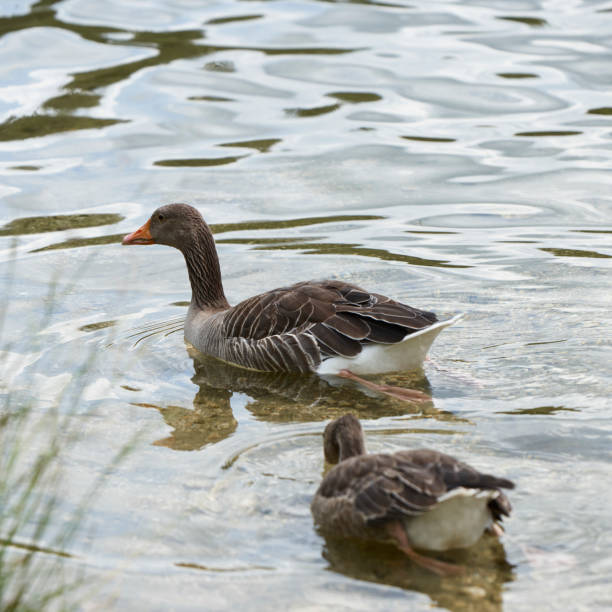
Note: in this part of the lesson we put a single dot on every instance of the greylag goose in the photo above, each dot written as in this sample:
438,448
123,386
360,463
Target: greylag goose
328,327
416,499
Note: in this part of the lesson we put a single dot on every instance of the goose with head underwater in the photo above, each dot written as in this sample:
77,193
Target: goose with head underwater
327,327
415,498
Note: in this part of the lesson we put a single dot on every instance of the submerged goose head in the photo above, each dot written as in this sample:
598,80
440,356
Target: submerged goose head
343,438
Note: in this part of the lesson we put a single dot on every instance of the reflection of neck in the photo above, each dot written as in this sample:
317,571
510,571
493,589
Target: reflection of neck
204,271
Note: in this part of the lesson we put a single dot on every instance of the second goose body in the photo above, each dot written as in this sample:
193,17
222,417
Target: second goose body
414,498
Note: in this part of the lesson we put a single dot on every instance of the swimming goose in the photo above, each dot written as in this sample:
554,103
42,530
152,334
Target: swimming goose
416,498
328,327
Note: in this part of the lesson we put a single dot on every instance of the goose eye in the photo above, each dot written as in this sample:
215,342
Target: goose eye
160,217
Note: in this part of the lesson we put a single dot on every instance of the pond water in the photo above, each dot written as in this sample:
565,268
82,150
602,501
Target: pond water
453,155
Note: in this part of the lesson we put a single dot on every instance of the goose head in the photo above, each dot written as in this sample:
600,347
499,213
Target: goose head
176,225
181,226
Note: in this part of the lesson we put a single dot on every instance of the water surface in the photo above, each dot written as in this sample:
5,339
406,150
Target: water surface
453,155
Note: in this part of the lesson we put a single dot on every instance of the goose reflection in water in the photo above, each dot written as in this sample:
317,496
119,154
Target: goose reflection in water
278,397
478,589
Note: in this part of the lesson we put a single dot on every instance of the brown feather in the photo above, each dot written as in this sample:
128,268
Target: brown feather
348,325
385,333
339,316
335,342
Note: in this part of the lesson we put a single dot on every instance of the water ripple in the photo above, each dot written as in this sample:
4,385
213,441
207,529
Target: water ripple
456,157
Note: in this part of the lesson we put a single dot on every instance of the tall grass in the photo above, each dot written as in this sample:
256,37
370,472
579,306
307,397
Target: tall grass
32,549
38,528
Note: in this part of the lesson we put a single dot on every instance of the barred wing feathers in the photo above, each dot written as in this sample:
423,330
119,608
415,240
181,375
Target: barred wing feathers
296,327
381,488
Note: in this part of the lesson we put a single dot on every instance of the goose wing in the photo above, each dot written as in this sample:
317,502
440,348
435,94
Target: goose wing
339,318
407,483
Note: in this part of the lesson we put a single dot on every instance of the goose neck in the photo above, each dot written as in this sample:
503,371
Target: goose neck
205,273
351,444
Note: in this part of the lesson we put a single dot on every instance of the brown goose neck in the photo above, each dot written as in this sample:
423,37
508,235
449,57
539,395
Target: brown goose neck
204,271
351,444
343,438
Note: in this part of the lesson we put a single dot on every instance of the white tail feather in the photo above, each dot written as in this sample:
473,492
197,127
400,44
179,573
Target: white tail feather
408,354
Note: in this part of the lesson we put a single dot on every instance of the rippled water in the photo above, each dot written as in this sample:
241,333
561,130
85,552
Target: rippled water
454,155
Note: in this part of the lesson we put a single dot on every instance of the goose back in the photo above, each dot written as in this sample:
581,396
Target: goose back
295,328
361,494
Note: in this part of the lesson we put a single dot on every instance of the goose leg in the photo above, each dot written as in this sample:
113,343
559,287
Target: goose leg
408,395
396,530
496,529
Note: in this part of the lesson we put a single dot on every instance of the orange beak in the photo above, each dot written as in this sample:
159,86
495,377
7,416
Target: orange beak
141,236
